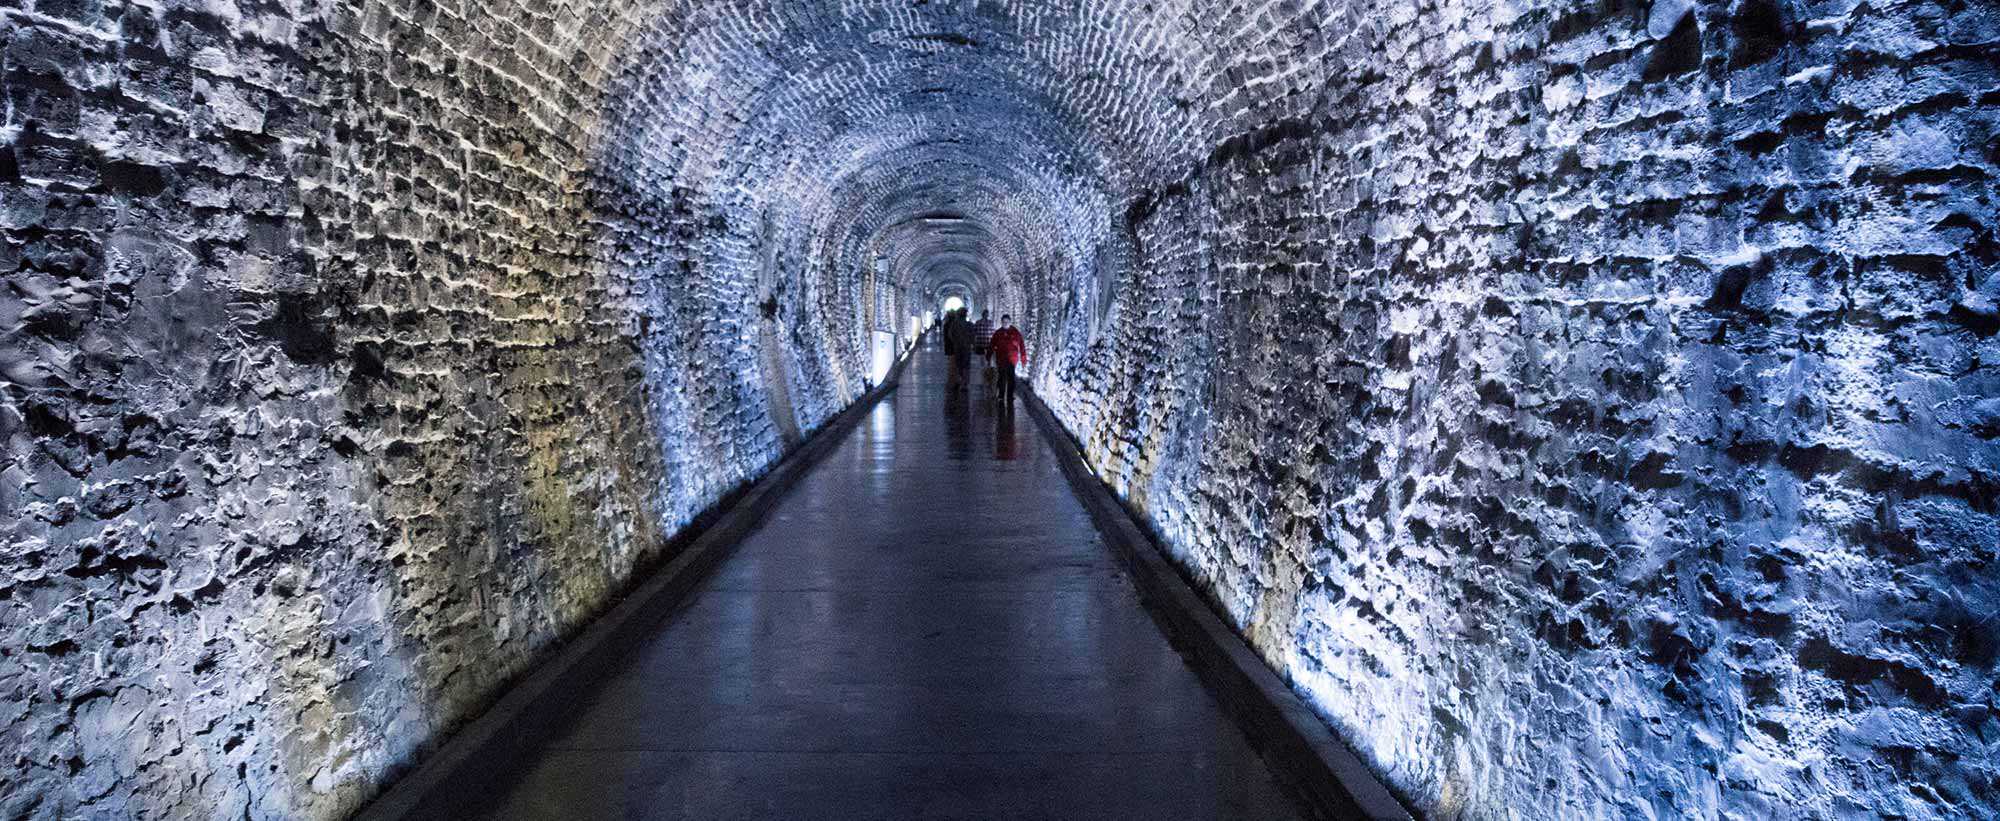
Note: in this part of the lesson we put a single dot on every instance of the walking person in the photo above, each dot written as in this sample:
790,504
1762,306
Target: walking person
944,336
958,344
982,347
1010,351
982,334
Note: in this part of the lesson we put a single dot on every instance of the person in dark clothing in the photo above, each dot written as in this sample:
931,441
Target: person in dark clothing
982,334
982,347
958,345
1010,351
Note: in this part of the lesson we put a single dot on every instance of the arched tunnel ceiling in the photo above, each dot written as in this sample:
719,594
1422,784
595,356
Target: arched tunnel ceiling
1033,121
1588,406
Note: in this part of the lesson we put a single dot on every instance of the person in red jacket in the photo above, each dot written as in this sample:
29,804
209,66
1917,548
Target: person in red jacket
1009,351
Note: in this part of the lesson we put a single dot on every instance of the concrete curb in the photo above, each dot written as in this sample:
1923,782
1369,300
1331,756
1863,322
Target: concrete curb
1297,745
467,769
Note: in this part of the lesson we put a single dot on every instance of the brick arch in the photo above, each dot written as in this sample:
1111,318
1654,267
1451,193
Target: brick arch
1587,407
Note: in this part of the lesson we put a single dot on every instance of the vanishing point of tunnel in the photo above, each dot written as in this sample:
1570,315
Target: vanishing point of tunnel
1580,408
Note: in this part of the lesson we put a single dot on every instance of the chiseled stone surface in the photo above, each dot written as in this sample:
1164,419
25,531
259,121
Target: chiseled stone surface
1590,407
332,396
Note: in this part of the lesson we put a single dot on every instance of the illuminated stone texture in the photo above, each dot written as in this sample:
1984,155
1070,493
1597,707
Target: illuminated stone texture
1591,407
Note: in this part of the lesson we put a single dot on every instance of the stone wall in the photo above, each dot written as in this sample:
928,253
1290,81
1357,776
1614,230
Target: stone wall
1591,408
337,388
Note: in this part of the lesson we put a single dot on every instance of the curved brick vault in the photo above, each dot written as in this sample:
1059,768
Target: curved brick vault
1593,409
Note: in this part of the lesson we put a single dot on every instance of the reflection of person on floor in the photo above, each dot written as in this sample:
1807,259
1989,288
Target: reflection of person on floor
958,425
1010,351
1005,446
958,345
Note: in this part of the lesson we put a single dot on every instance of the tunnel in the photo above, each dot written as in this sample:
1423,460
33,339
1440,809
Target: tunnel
1583,408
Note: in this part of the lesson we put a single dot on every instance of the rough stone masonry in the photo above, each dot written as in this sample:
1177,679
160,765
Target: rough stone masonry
1592,408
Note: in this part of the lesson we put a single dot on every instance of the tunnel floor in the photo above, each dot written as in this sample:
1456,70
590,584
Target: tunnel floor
926,627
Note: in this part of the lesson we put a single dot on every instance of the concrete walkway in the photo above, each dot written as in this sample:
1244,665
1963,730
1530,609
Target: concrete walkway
926,627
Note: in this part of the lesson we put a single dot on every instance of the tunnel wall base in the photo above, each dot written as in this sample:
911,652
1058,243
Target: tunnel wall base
1321,769
1589,407
458,779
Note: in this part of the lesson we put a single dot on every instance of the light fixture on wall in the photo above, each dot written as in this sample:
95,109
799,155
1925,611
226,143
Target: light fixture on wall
883,357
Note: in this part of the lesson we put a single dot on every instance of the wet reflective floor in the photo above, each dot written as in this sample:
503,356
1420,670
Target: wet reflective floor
925,627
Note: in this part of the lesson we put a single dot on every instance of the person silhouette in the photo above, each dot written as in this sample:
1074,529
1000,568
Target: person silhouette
958,345
1009,351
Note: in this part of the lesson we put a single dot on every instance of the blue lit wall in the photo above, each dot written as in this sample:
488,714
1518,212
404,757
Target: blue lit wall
1590,407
